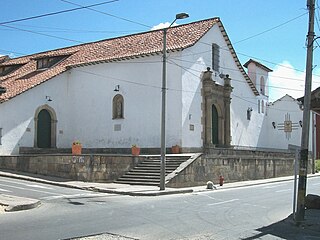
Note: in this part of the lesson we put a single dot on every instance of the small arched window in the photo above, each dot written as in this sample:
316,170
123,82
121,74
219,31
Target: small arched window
262,86
117,107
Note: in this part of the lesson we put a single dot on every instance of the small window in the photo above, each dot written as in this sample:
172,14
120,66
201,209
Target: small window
262,106
215,57
258,106
5,70
0,136
249,112
262,86
48,62
118,107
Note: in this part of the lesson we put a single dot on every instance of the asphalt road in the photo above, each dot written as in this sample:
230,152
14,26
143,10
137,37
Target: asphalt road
222,214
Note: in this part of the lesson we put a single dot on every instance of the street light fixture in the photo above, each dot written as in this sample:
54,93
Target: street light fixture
163,103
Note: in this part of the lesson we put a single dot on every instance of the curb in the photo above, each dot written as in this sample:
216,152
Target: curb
14,203
13,208
148,192
139,193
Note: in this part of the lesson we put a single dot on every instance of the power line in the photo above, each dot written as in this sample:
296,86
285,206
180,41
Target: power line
233,69
55,13
233,79
270,29
160,88
58,29
108,14
42,34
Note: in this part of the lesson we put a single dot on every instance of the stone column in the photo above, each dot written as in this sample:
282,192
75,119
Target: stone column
227,102
207,84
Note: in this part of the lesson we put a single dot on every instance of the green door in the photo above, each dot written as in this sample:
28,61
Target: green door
214,125
44,129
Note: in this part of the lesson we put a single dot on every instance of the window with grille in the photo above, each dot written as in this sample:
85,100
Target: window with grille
215,57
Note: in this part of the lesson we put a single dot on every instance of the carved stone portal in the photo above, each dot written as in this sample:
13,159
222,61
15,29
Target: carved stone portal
216,111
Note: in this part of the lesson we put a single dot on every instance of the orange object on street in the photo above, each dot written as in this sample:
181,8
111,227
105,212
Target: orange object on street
221,180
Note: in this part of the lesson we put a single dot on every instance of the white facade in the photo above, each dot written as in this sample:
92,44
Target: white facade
82,101
282,126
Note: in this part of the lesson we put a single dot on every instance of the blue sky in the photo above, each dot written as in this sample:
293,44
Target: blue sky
247,23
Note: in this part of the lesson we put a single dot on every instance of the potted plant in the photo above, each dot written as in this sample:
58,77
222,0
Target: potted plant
175,149
76,148
135,150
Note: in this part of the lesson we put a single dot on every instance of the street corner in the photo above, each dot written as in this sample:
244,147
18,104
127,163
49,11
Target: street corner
10,203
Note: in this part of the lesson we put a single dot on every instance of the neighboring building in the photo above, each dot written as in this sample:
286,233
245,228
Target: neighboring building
107,94
314,120
282,127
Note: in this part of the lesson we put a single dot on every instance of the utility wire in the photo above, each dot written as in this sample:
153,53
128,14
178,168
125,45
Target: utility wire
159,87
233,69
108,14
42,34
233,79
270,29
55,13
57,29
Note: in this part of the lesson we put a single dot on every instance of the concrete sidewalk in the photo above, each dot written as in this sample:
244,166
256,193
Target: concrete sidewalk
285,228
132,190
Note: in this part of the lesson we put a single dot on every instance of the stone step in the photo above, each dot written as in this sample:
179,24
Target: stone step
147,172
139,180
167,162
155,167
138,183
142,172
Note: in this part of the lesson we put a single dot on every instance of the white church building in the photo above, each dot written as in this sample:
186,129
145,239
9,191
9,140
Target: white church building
107,95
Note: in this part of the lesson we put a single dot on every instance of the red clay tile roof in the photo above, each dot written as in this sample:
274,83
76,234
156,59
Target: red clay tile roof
142,44
258,64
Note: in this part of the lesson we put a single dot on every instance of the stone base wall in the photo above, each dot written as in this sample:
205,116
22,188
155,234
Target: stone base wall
235,165
96,168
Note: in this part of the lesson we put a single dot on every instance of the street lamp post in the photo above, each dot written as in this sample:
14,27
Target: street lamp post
163,103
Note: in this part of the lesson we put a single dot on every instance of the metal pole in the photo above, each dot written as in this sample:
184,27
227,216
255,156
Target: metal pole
295,183
163,104
163,112
313,142
306,119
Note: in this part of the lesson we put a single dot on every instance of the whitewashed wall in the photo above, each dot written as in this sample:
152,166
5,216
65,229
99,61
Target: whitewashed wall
17,115
140,85
82,100
276,137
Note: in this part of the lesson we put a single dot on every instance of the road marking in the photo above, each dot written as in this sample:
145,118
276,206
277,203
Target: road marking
25,184
284,190
79,195
4,190
254,205
38,186
27,189
218,203
274,186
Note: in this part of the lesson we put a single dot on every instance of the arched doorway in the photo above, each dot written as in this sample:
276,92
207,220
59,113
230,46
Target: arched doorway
215,126
216,111
45,127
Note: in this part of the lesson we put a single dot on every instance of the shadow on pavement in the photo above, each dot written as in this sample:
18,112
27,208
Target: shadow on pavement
287,229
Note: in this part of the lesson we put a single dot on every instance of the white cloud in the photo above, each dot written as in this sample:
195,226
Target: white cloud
285,79
162,25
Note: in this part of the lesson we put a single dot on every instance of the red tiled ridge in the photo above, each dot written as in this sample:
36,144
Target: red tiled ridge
26,76
135,45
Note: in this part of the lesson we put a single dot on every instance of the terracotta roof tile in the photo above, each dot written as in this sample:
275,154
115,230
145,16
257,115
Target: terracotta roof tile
27,76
